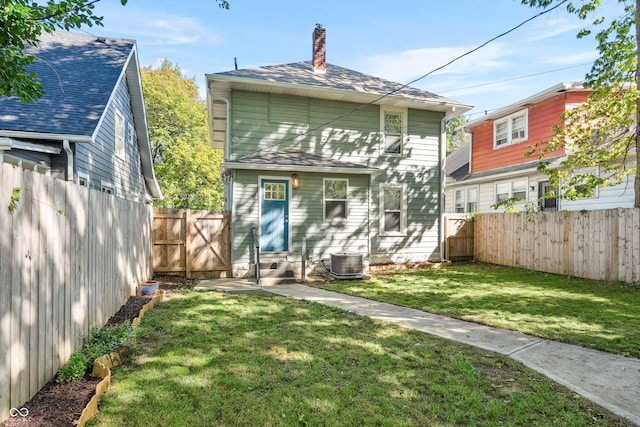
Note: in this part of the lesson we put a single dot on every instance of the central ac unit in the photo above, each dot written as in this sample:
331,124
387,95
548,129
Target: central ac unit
346,265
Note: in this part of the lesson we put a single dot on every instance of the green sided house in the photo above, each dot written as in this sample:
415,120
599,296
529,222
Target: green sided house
348,163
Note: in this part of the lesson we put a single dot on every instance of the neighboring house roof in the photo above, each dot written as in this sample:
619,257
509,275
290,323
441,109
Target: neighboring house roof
499,173
79,74
336,83
457,163
302,162
519,105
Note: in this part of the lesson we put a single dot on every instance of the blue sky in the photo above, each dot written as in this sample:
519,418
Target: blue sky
399,41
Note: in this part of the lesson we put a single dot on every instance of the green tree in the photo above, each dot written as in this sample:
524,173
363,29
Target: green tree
602,132
21,24
455,135
187,168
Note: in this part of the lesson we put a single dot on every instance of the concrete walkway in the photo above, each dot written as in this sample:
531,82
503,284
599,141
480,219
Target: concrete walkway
609,380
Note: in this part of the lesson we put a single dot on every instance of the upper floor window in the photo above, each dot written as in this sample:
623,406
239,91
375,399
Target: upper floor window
335,198
511,129
130,135
119,134
394,125
466,200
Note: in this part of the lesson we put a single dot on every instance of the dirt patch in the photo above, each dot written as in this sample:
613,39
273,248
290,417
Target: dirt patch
175,282
61,404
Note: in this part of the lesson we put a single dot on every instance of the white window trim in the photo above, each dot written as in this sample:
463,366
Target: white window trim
120,153
509,120
465,198
85,177
107,187
324,200
403,138
130,134
510,182
403,209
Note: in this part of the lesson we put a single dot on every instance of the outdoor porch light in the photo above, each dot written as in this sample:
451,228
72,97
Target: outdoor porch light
295,180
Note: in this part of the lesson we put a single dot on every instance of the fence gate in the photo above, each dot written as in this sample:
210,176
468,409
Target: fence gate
459,237
193,244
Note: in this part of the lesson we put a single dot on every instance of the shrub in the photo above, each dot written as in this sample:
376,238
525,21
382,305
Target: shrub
74,368
102,341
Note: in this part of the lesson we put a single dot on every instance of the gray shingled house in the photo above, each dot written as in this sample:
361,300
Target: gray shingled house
348,162
90,126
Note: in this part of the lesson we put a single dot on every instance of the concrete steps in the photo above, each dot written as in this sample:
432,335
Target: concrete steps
277,272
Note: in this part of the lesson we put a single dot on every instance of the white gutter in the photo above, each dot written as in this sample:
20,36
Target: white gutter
67,149
398,99
45,136
5,144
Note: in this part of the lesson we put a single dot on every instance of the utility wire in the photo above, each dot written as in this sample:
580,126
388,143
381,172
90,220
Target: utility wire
544,12
514,78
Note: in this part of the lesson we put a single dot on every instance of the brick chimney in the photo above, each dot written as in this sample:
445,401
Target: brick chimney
319,49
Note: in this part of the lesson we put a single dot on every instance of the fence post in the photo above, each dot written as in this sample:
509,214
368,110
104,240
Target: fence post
187,242
304,262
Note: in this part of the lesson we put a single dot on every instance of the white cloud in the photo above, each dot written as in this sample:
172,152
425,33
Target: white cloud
410,64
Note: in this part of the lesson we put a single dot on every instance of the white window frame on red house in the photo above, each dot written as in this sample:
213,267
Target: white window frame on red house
512,132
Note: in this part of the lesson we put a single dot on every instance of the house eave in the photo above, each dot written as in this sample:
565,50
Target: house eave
11,143
224,83
299,168
523,103
45,136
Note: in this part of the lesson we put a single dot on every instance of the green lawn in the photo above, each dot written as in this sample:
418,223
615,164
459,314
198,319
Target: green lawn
212,359
578,311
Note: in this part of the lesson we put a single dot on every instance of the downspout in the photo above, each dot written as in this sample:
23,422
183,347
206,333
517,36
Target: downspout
67,149
227,139
443,176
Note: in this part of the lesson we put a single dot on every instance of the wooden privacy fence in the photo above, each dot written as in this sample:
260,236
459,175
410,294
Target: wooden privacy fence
69,259
459,235
599,244
191,243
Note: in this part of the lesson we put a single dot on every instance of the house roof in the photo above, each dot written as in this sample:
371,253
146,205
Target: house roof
79,74
457,163
519,105
507,171
337,83
298,161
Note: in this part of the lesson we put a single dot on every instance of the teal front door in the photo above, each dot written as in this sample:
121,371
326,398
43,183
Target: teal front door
274,216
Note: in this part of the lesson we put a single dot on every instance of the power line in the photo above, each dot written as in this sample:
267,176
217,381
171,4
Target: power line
355,110
515,78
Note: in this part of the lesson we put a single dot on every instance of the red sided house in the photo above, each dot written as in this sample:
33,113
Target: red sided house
494,166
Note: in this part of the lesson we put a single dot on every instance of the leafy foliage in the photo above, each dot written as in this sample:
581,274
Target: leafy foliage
187,168
22,23
456,136
599,136
103,341
15,198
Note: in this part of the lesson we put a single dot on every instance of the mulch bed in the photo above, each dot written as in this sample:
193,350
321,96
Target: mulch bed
60,404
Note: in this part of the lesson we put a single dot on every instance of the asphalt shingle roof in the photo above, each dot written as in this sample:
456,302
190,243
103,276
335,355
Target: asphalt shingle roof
79,73
335,77
297,158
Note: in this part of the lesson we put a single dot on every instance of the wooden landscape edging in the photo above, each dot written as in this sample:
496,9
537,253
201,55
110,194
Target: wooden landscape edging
103,364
